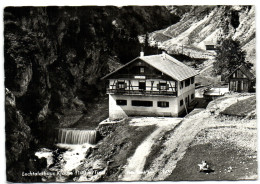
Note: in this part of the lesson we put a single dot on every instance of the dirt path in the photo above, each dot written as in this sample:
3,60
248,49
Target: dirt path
176,145
175,148
206,68
135,166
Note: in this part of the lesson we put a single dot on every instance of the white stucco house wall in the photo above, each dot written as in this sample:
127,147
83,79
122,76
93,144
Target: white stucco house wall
155,85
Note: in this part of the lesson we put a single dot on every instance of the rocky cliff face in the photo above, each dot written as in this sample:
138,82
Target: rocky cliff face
55,57
20,143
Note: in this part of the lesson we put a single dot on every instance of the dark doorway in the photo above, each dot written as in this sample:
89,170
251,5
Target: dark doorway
239,86
142,86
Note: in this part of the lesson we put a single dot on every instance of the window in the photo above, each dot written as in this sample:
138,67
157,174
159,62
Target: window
181,86
233,85
141,69
121,85
163,104
121,102
163,86
142,103
142,85
181,102
186,100
192,80
192,96
187,82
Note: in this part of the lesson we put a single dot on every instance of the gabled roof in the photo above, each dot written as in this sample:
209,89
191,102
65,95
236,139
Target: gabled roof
245,71
166,64
209,43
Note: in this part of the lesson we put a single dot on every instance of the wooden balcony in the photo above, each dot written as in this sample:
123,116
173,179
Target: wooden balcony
141,92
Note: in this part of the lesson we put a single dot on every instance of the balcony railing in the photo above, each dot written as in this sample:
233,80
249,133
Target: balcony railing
141,92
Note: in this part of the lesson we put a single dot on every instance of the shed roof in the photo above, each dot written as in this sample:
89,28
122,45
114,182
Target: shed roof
166,64
245,71
209,42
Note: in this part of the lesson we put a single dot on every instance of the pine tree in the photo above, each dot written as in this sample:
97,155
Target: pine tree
229,56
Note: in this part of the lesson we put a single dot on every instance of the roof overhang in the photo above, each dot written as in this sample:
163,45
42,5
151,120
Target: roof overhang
240,70
106,76
164,72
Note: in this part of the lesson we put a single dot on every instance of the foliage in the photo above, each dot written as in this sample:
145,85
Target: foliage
229,56
234,19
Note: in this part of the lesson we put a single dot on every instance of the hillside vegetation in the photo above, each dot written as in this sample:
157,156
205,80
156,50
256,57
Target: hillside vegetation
200,24
228,143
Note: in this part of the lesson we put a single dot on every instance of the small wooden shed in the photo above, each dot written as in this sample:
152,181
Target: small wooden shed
210,45
241,80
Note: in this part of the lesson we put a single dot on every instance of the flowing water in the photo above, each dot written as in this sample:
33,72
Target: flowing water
77,136
76,142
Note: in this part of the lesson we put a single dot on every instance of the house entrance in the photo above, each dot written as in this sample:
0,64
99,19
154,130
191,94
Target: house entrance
142,86
239,86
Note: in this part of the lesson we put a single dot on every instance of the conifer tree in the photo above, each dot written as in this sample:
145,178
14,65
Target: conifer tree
229,56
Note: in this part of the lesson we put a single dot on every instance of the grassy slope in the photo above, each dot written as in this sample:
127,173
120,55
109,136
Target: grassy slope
220,158
158,147
223,147
119,146
96,113
241,108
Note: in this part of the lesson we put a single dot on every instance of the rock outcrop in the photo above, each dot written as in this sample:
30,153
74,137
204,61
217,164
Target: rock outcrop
54,59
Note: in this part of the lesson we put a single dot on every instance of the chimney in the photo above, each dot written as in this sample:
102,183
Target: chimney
141,54
164,54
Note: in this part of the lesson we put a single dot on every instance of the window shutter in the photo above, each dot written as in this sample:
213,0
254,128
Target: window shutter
158,86
125,85
167,86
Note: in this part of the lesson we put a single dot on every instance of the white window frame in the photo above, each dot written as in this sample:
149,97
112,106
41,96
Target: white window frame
141,69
